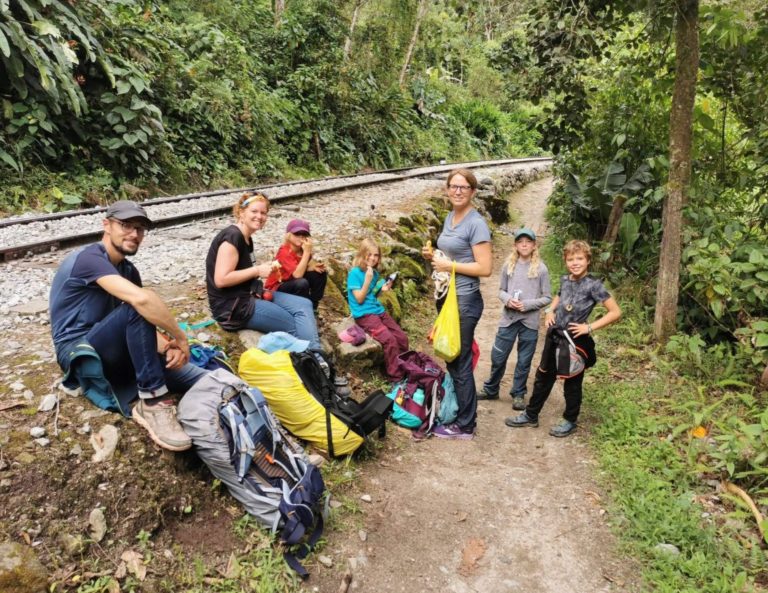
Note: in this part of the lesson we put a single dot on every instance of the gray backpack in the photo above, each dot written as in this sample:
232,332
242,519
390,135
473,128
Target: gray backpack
244,446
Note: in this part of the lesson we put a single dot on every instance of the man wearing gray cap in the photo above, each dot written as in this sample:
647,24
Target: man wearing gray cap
104,327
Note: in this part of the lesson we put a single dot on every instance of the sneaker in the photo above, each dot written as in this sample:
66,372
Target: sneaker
522,420
518,402
563,429
160,422
484,395
452,431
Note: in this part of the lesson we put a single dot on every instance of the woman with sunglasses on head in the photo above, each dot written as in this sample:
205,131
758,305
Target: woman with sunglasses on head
233,281
298,271
466,243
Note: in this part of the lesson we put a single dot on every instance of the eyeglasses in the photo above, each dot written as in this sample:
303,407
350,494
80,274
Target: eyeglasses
129,227
459,188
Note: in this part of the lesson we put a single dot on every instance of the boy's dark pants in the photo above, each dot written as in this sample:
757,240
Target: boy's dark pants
311,286
546,375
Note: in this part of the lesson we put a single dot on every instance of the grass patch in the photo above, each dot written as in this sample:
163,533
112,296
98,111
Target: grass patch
664,481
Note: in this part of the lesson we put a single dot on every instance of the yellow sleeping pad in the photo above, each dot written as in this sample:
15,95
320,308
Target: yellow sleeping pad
296,408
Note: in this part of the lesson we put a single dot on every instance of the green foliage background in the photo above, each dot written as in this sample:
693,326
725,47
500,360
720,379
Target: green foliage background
179,95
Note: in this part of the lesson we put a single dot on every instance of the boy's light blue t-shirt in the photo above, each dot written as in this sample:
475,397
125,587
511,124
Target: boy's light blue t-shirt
371,305
457,245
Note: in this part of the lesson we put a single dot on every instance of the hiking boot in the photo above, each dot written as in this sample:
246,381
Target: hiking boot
160,422
484,395
518,402
522,420
454,432
563,429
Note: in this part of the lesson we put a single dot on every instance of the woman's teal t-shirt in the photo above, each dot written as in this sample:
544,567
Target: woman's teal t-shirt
371,305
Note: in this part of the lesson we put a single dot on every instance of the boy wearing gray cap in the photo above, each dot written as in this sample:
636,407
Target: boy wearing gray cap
104,326
524,290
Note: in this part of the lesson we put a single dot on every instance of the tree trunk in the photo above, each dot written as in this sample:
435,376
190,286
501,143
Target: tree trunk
352,25
421,12
614,220
680,141
278,7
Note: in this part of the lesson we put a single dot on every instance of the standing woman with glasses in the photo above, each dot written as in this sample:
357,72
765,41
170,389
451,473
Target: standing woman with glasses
466,242
233,280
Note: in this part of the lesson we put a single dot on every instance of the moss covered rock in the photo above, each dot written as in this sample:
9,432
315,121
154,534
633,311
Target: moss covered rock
20,570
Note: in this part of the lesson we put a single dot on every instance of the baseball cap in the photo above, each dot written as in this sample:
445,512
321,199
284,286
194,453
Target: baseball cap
297,226
274,341
126,210
354,335
525,232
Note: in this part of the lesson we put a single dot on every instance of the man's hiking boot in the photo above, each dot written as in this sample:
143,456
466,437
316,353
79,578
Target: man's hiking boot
563,429
160,422
484,395
454,432
522,420
518,402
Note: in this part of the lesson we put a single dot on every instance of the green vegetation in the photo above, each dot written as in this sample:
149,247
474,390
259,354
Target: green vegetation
665,439
675,421
101,100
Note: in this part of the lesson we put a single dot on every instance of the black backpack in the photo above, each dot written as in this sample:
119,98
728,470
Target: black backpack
361,417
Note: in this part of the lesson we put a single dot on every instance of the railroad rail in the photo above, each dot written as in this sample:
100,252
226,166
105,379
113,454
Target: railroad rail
292,190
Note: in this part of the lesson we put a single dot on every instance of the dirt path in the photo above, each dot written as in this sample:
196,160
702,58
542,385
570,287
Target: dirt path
512,510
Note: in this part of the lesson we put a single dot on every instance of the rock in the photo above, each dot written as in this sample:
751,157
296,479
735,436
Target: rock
36,432
104,442
366,498
31,308
335,504
77,391
20,570
249,337
325,561
91,414
98,524
43,442
76,451
667,549
17,386
48,403
3,465
72,544
363,535
28,395
204,337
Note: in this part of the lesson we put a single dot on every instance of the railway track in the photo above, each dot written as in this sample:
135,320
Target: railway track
22,236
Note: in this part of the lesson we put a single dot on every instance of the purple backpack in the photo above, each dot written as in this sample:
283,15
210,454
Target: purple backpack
421,371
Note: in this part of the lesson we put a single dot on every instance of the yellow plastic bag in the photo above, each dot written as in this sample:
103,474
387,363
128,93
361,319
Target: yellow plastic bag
446,333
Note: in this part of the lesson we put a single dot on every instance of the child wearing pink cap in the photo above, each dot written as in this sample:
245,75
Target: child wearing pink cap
298,273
